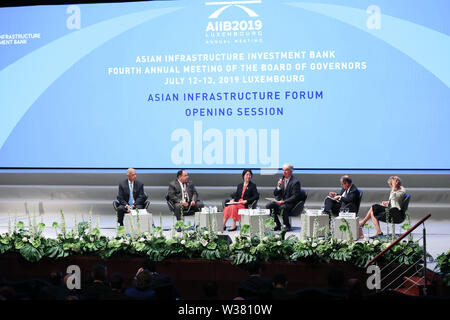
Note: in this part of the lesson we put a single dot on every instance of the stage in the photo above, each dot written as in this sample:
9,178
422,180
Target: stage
44,193
79,193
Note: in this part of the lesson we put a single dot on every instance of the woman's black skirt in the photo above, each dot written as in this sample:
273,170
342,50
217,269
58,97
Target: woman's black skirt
395,215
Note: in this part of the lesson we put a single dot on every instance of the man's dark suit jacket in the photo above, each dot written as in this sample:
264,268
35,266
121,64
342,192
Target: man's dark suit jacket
251,193
292,193
175,194
351,199
138,193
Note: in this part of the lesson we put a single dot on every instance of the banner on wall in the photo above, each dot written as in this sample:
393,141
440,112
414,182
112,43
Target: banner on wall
226,84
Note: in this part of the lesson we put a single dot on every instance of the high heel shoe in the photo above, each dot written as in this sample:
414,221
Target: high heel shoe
376,236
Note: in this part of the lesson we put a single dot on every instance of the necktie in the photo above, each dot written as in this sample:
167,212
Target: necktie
130,200
185,195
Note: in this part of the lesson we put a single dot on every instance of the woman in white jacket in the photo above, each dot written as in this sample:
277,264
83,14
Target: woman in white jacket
390,211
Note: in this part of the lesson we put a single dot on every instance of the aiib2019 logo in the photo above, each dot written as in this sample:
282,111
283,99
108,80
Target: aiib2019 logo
220,29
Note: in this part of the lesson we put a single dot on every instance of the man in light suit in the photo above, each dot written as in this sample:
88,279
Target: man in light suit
130,200
348,197
183,195
287,195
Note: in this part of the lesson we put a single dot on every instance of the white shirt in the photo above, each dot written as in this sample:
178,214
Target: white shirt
183,191
345,192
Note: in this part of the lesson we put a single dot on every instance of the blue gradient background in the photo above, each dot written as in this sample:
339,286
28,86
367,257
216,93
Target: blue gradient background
59,108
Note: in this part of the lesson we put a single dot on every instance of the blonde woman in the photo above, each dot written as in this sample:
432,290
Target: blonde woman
393,207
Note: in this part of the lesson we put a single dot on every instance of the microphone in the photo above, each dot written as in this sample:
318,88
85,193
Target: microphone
280,182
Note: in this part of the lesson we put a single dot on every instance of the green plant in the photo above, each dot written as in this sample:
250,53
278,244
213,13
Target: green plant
156,251
271,247
63,222
407,225
306,250
444,266
215,248
28,243
244,229
180,225
343,228
349,231
85,240
240,250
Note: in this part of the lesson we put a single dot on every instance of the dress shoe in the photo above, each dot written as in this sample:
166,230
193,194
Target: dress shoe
277,228
224,228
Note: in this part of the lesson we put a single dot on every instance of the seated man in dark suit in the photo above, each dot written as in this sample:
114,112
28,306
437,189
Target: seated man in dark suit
348,197
183,195
287,195
131,195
